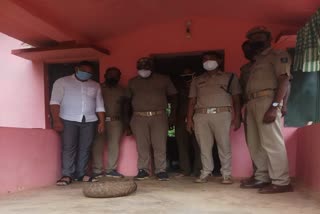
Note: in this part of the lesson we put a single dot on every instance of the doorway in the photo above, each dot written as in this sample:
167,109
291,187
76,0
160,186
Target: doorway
173,65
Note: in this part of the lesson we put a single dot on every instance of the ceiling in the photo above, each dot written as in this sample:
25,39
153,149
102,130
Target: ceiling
40,22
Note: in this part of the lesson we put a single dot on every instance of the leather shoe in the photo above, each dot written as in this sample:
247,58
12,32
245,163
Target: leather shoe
254,184
272,189
247,180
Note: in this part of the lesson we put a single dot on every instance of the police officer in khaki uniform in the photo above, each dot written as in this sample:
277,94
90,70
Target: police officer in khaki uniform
249,54
266,88
210,113
113,96
149,93
186,141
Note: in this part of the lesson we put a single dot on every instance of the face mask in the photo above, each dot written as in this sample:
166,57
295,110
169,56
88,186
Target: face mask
112,81
259,45
83,76
210,65
144,73
249,55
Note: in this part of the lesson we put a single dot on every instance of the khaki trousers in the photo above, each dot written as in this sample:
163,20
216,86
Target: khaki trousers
245,124
151,131
266,143
211,127
113,134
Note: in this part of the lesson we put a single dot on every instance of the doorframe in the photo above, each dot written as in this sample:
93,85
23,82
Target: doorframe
189,53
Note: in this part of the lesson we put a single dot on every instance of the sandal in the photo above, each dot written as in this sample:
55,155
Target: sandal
91,179
64,181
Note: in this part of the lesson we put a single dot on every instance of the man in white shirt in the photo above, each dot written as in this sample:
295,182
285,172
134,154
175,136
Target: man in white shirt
76,105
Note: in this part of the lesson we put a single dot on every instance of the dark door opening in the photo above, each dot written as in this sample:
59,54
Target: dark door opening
58,70
173,65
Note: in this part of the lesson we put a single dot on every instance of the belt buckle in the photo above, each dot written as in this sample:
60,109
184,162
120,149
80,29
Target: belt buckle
211,110
149,113
108,119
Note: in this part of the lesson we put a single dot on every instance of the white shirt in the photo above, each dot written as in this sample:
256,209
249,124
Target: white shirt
77,99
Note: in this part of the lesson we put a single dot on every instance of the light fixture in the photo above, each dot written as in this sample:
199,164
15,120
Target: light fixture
188,29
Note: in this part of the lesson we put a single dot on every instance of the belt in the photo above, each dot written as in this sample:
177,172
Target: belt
263,93
148,113
214,110
114,118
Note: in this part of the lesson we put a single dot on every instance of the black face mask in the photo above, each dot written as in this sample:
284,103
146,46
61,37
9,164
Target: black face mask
112,81
249,55
258,46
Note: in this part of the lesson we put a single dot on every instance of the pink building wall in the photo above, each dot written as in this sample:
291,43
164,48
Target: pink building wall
31,157
22,88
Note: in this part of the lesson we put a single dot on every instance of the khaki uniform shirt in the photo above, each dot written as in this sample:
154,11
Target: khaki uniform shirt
266,69
113,99
150,94
210,89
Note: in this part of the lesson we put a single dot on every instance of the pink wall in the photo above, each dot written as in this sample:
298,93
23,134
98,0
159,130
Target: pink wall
207,34
128,157
308,158
29,158
22,88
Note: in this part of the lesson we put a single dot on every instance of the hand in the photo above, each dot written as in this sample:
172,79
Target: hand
270,115
236,123
284,110
101,127
58,125
190,126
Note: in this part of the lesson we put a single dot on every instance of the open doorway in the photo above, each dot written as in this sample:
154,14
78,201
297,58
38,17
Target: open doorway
173,65
59,70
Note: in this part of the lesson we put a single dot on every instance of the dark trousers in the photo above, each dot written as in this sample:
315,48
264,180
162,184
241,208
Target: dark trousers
77,139
188,149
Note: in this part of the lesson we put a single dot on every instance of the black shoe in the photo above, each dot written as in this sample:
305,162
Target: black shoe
114,174
271,189
254,184
142,175
162,176
98,175
247,180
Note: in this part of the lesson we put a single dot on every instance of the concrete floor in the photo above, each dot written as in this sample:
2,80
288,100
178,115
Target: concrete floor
178,195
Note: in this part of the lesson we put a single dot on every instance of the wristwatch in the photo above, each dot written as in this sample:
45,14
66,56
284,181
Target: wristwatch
275,104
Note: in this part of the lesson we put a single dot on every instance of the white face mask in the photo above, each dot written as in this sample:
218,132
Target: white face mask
210,65
144,73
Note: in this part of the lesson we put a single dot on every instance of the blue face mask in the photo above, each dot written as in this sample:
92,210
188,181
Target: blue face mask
83,76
